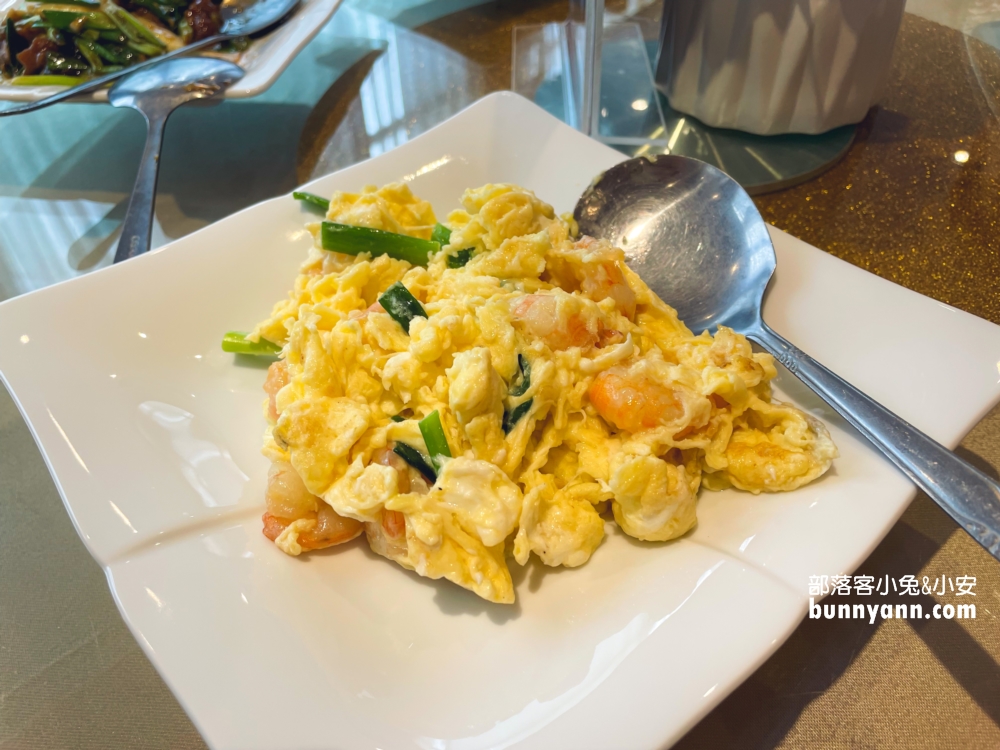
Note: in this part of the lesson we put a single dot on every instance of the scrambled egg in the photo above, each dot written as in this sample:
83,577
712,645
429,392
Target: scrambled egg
567,390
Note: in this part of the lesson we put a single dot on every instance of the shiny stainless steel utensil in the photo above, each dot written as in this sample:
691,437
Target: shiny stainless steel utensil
156,93
239,18
697,239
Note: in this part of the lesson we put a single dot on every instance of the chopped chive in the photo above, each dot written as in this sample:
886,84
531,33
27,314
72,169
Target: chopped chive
397,418
236,343
461,257
402,306
441,235
512,417
434,437
417,460
312,199
523,383
343,238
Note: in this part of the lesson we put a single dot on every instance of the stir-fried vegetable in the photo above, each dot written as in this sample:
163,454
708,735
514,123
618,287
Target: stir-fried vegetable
69,41
402,306
236,343
343,238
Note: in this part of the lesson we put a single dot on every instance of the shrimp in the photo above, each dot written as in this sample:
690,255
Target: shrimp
409,480
632,403
361,314
288,500
387,457
539,316
604,278
277,378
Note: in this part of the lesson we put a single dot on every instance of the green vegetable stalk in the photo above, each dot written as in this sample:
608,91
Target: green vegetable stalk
512,417
434,436
402,306
417,460
236,343
343,238
312,199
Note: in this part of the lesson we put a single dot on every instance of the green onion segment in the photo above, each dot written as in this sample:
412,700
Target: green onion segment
434,437
343,238
417,460
520,386
441,235
461,257
236,343
512,417
312,199
402,306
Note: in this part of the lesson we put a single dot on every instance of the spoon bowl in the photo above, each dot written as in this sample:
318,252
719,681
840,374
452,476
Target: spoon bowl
650,204
155,93
699,242
165,87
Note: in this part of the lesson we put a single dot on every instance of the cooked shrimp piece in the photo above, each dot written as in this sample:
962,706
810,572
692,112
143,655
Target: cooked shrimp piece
277,378
410,480
606,280
286,495
387,457
387,536
608,337
538,314
288,500
633,403
603,278
360,314
329,530
393,524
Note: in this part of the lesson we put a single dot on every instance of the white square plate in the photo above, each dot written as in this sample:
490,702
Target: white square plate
264,60
152,435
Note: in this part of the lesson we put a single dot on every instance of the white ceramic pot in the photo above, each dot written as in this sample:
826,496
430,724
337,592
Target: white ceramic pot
776,66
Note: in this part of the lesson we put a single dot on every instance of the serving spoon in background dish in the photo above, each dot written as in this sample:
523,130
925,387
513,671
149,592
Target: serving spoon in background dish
697,239
239,18
156,93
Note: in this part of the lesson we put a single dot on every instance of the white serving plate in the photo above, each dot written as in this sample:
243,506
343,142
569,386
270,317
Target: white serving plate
263,61
152,435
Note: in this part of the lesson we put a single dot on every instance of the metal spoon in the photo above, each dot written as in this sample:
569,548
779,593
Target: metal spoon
697,239
239,18
156,93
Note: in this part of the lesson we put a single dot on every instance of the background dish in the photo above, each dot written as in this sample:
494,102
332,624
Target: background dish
160,470
263,61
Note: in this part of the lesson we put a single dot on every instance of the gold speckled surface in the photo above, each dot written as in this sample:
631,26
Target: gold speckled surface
900,204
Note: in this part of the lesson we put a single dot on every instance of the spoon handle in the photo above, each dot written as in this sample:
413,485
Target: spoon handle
138,224
965,493
101,81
